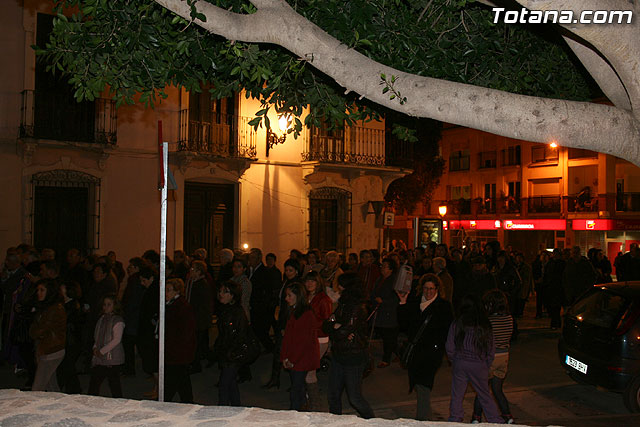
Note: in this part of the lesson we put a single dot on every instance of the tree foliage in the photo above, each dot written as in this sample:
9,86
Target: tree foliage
138,47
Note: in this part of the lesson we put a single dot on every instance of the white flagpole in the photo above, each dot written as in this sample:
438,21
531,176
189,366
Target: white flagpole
163,257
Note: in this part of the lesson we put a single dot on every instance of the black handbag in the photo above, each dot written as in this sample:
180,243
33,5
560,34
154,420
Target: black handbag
409,350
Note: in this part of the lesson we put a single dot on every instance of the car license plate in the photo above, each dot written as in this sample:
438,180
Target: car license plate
576,364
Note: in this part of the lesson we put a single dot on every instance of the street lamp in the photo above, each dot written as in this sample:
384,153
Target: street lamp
284,122
442,210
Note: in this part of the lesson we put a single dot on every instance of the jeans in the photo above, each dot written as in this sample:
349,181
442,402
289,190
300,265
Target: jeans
228,391
297,394
496,388
111,373
349,377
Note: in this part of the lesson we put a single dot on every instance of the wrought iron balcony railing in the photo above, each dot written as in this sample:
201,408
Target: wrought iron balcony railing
544,204
628,202
226,135
582,204
355,144
57,116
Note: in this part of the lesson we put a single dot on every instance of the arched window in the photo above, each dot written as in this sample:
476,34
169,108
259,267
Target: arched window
65,210
330,219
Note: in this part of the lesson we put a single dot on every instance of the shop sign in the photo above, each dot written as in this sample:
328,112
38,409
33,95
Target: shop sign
478,224
535,224
606,224
593,224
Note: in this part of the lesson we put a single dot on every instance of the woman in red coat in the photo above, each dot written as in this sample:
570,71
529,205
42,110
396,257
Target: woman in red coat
300,352
322,306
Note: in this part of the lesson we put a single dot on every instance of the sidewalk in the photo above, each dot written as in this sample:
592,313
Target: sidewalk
55,409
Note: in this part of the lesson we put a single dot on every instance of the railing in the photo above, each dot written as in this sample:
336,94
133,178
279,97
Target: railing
226,135
510,204
582,204
628,202
355,144
399,153
57,116
487,205
544,204
461,206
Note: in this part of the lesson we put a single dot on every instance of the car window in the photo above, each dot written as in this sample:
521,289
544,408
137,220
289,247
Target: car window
600,308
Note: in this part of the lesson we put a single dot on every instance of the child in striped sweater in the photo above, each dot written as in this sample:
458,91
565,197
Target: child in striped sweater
497,308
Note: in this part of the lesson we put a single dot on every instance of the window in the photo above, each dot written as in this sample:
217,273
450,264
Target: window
330,219
580,153
460,197
487,159
65,211
489,200
511,156
459,161
514,189
543,153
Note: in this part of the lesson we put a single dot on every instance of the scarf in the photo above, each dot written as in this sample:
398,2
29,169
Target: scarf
425,302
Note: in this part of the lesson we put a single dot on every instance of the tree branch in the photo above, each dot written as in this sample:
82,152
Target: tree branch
618,43
602,73
573,124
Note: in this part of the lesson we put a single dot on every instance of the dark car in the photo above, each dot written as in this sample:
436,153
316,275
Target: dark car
600,341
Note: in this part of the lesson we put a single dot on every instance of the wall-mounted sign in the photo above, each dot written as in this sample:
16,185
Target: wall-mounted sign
389,219
474,224
605,224
428,230
535,224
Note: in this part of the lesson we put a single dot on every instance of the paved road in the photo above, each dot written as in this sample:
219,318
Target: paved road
539,391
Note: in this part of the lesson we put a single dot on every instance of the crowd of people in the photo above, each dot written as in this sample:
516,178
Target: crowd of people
89,315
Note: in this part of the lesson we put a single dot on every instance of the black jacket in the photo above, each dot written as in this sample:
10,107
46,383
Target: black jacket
232,334
429,348
352,317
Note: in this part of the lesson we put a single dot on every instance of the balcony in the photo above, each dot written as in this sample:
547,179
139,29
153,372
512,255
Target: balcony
510,204
56,116
460,207
628,202
486,205
355,145
487,160
544,204
542,153
226,135
582,202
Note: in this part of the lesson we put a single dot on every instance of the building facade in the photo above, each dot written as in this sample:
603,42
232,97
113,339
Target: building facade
529,196
85,174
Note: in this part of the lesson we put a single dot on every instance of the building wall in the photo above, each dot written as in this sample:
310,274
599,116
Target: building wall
272,193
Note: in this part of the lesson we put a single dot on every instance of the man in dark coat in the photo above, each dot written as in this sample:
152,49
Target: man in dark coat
552,286
180,342
261,299
579,275
199,295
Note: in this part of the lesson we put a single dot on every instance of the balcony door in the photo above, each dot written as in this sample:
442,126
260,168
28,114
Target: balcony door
57,114
212,123
209,214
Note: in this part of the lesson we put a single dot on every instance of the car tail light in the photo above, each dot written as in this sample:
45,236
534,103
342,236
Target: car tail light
628,319
614,369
